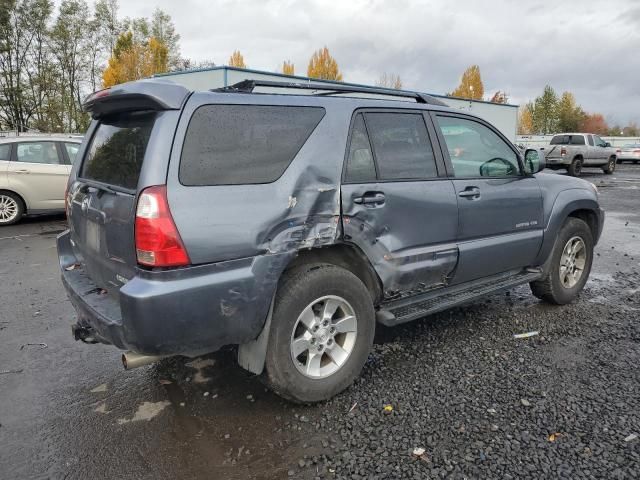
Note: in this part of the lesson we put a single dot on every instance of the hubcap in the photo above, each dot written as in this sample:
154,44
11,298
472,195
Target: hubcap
572,262
8,209
324,336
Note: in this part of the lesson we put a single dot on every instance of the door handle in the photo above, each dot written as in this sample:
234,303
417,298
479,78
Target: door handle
22,171
470,192
370,198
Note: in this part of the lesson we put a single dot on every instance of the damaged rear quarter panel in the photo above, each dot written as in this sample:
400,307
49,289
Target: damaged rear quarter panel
268,222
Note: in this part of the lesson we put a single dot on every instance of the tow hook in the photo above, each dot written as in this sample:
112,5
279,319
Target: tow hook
83,334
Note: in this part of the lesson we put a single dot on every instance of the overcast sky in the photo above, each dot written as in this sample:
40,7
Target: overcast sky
591,48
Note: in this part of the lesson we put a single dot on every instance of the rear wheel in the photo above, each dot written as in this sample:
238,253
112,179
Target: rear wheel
11,208
575,169
569,266
321,333
611,166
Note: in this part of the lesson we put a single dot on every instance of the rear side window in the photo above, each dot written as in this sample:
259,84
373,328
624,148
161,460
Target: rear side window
360,166
577,140
117,149
244,144
590,137
560,140
72,150
401,146
5,151
38,152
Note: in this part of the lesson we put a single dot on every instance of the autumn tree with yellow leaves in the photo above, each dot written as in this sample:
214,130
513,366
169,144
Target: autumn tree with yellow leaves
237,60
133,60
525,120
323,66
288,68
471,86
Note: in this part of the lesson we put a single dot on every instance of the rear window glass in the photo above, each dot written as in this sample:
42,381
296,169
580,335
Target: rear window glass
117,150
243,144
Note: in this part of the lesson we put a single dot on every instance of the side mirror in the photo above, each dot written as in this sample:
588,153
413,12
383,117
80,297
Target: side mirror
607,144
533,161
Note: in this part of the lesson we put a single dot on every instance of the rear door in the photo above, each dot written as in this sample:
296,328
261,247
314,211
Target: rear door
500,208
398,206
103,194
38,172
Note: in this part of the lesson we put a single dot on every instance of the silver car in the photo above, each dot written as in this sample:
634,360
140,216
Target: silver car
629,153
33,174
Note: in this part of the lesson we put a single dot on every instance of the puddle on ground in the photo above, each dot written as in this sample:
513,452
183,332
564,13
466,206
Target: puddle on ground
146,411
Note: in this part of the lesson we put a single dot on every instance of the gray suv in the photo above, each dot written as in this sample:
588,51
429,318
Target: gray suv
289,222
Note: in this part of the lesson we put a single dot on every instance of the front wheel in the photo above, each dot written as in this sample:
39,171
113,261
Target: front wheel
570,264
11,208
321,333
611,166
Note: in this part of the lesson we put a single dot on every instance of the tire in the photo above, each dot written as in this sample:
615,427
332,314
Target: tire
611,166
313,376
551,288
11,208
575,168
635,162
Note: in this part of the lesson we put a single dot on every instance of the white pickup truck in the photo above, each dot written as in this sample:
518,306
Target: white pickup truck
573,151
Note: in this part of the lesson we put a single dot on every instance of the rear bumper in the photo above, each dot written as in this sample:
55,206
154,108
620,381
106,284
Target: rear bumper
187,311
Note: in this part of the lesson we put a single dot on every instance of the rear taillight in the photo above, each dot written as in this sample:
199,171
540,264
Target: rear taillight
636,151
563,151
618,150
158,243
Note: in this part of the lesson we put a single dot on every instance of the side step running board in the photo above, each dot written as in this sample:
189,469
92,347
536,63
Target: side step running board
405,310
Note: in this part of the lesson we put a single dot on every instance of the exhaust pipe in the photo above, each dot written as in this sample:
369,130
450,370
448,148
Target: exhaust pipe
131,360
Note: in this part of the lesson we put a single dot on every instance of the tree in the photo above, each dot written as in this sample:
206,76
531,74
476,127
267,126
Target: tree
237,60
570,115
594,123
525,120
288,68
545,112
471,86
107,23
133,60
163,29
323,66
389,81
499,97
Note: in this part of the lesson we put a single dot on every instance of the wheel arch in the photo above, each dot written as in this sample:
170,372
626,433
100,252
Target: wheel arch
17,194
347,256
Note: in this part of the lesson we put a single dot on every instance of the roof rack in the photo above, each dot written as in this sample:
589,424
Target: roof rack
247,86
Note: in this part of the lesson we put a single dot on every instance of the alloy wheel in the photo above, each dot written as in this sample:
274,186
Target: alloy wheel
324,336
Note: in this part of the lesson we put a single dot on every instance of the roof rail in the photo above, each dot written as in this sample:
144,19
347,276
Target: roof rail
247,86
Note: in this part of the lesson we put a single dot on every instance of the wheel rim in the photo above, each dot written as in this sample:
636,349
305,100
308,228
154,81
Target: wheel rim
572,262
578,167
612,165
8,209
324,337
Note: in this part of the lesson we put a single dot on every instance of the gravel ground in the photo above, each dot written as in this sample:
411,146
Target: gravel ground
480,403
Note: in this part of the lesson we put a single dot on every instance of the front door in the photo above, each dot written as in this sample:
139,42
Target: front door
500,207
39,173
398,206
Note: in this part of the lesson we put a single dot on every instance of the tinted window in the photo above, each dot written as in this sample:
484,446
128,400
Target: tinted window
72,150
241,144
476,150
117,150
5,151
577,140
401,145
38,152
360,166
560,140
590,138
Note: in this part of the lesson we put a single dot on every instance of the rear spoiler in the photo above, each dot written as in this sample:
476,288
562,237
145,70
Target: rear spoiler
139,95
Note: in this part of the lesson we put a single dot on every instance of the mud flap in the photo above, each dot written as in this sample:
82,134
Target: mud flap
251,355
